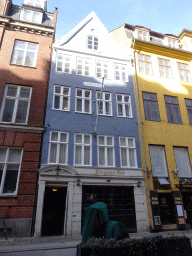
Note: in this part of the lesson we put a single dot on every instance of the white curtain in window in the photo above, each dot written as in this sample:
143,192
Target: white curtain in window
78,152
158,161
53,153
87,155
62,154
182,162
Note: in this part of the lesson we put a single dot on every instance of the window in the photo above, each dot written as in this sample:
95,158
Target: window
83,143
143,35
173,111
61,98
24,54
127,152
82,66
158,161
92,42
83,101
15,106
172,42
31,16
165,68
10,161
102,69
188,103
184,72
104,104
36,3
58,148
145,65
182,162
151,106
63,63
106,154
120,72
124,108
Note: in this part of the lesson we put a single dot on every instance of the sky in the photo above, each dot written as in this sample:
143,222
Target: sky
163,16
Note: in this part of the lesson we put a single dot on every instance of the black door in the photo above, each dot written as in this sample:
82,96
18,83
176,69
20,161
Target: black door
187,203
166,208
53,211
119,200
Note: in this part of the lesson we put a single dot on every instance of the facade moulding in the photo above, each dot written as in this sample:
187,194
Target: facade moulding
21,128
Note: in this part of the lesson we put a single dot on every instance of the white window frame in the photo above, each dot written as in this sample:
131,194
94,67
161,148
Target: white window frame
172,42
64,60
83,99
31,16
61,95
120,70
58,143
16,99
34,3
127,147
104,70
104,102
184,71
25,51
5,162
84,65
106,146
124,104
83,145
93,43
143,35
186,173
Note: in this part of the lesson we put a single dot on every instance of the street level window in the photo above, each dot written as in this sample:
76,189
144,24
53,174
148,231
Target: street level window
102,69
92,42
145,64
31,16
173,111
10,162
83,101
127,152
58,147
184,72
104,103
124,108
82,66
63,63
24,54
15,106
188,103
35,3
83,149
151,106
165,68
106,153
182,162
120,72
61,98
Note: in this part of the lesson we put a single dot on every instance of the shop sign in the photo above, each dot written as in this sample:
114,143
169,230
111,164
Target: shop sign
154,200
181,221
178,200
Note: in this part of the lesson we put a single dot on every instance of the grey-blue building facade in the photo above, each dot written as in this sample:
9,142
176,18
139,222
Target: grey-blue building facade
90,155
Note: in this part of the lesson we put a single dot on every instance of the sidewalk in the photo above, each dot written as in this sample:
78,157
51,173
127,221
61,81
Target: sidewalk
61,242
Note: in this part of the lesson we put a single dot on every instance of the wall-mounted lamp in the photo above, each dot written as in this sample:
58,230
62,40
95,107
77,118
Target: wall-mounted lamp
149,173
78,182
139,183
175,172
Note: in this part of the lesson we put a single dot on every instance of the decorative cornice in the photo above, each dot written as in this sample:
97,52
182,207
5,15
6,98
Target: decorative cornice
161,50
24,26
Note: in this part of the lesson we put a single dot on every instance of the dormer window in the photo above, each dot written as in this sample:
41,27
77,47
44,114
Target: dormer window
31,16
35,3
172,42
92,42
143,35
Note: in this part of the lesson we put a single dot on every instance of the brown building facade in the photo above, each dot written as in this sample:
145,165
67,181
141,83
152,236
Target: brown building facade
26,37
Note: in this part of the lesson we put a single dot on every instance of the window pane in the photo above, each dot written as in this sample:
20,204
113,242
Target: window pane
110,156
123,157
24,93
8,110
101,140
17,57
1,171
108,108
53,153
30,59
189,110
130,142
63,137
57,102
120,109
78,155
132,157
119,97
101,156
32,47
65,103
86,139
177,114
54,136
87,94
3,152
146,96
87,155
66,91
78,138
147,106
127,110
122,142
62,154
79,105
21,112
155,111
11,91
87,103
14,155
109,141
170,113
79,92
10,179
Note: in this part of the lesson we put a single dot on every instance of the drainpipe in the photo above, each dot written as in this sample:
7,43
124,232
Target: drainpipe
142,143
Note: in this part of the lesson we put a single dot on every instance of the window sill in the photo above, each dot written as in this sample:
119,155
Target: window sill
62,72
125,116
83,113
22,66
68,110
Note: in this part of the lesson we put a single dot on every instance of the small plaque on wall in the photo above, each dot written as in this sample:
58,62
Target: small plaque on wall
181,221
157,220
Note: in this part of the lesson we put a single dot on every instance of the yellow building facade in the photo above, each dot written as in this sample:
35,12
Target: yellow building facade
163,89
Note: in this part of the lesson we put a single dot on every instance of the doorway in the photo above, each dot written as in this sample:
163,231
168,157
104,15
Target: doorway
54,211
187,203
166,208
